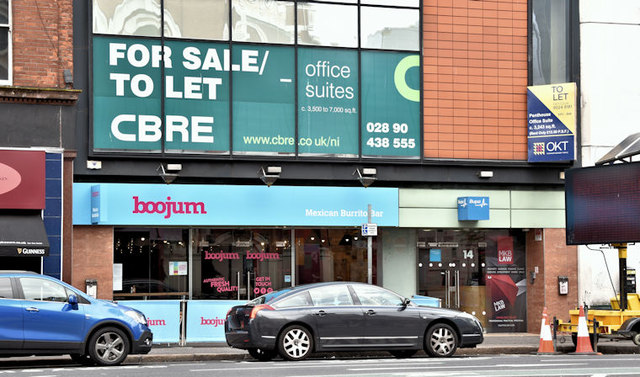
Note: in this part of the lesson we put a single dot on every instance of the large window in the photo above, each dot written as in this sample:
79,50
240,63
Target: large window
150,263
241,263
5,42
257,77
550,41
332,255
481,272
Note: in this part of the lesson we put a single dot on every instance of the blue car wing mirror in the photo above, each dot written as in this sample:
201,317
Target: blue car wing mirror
73,300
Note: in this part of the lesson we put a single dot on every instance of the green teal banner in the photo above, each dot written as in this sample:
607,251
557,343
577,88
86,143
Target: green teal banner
264,102
390,105
217,99
328,102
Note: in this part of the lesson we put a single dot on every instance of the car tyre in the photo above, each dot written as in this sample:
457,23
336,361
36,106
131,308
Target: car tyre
108,346
403,354
441,340
295,343
83,359
636,339
262,355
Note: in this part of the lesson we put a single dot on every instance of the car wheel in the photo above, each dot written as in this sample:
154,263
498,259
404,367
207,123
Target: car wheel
81,359
441,340
262,355
403,354
108,346
295,343
636,339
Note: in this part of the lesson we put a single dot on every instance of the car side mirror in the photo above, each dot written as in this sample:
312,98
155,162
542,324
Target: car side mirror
73,300
405,302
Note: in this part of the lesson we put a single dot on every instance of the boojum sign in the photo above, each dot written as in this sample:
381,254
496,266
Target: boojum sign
135,77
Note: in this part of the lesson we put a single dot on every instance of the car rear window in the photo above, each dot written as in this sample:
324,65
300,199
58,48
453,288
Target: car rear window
5,288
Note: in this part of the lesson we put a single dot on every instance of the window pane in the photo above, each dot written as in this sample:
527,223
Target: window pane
332,295
390,28
202,19
127,17
4,12
397,3
295,301
4,54
332,255
154,263
5,288
328,25
43,290
263,21
226,262
372,295
339,1
550,42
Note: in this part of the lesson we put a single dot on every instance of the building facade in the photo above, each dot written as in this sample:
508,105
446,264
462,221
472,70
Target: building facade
37,102
608,117
229,148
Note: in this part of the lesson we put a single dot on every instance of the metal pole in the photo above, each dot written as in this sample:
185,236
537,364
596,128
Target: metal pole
622,264
369,250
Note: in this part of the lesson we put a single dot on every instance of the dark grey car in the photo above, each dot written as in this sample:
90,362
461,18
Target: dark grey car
346,316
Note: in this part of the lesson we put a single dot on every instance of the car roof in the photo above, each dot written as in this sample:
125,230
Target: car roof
305,287
18,272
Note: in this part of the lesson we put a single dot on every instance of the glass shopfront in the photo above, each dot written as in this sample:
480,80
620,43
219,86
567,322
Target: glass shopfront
481,272
233,264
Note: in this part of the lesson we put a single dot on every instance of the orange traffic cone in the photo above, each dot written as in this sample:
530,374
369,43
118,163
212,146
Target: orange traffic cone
583,344
546,343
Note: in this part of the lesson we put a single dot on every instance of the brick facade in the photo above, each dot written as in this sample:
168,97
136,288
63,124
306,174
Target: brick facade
93,258
475,79
553,258
42,42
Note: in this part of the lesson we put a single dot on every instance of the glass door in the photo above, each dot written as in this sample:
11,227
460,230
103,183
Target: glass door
451,267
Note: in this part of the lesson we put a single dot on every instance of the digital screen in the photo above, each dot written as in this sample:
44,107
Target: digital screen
603,204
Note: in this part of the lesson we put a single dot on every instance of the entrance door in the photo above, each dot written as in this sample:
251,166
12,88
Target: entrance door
454,273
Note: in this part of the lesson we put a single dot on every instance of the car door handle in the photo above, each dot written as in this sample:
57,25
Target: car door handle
321,313
371,312
32,309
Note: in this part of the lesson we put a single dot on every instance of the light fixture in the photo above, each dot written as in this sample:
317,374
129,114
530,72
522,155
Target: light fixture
366,176
168,174
269,174
485,174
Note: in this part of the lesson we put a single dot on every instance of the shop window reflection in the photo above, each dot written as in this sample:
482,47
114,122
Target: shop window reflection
332,255
240,264
153,263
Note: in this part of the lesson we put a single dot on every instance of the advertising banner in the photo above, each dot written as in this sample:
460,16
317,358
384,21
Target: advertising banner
163,318
552,122
205,319
210,205
390,105
328,102
264,100
216,99
506,287
22,179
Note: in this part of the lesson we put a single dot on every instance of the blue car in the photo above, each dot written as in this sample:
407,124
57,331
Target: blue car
40,315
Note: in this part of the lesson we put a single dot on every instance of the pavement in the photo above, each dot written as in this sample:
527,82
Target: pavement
501,343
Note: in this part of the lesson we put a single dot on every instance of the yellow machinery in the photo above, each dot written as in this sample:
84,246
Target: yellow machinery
614,322
610,322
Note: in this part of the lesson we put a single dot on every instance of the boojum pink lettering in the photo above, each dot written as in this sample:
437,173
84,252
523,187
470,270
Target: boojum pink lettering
168,208
215,322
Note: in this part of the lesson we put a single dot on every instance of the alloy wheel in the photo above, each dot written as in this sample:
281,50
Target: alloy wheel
296,343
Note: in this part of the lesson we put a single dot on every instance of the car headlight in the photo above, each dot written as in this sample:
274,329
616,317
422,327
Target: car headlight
137,316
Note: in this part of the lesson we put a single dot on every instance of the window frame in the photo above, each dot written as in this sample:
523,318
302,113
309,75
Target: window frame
8,27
